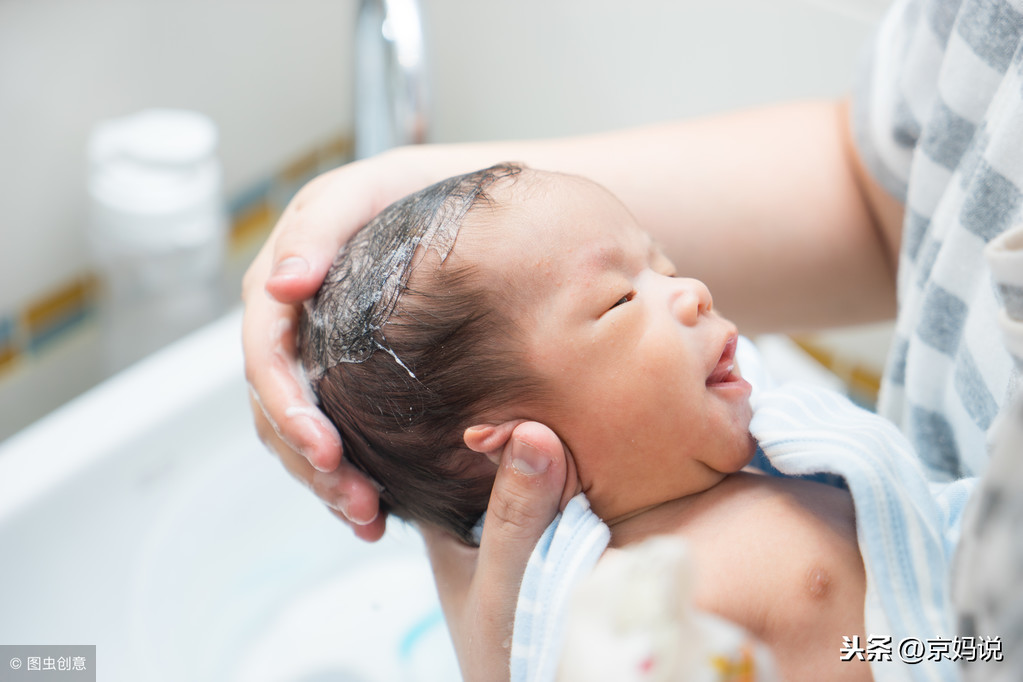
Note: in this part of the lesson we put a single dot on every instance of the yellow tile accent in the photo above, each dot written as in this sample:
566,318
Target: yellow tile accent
862,381
254,223
301,168
337,150
41,319
8,359
69,298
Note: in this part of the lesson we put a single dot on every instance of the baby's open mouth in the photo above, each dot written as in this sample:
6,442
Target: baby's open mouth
723,372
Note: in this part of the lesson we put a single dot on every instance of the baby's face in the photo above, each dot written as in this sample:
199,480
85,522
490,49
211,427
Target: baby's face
638,364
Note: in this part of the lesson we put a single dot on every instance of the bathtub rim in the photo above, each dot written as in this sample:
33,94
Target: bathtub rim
41,457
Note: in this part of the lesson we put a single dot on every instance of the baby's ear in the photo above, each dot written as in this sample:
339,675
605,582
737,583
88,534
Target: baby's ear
490,439
493,440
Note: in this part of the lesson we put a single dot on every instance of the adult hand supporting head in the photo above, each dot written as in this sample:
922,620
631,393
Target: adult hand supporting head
289,269
479,588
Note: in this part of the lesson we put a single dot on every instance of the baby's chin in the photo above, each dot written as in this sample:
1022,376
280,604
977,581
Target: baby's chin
751,450
745,444
740,455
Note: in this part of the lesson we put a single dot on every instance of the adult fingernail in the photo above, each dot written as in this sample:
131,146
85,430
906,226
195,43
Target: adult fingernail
319,466
341,504
528,460
359,520
289,267
362,520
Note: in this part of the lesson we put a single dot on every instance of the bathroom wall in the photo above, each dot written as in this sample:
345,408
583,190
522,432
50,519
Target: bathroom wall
276,77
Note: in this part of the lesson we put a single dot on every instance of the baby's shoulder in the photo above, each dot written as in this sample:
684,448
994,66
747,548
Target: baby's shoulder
778,557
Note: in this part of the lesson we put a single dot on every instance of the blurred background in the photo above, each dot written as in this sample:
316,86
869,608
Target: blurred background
276,80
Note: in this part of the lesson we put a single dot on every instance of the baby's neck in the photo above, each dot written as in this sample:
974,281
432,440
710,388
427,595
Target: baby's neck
673,515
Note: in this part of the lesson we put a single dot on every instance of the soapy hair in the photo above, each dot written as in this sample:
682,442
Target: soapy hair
402,371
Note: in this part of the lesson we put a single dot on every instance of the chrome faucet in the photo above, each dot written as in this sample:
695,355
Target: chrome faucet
390,76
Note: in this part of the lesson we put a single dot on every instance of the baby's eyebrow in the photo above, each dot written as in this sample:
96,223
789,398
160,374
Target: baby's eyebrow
613,255
606,257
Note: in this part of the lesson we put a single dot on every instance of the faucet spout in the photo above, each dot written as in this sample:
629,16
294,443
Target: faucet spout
390,76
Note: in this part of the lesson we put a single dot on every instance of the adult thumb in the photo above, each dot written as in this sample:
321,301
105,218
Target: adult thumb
480,596
527,495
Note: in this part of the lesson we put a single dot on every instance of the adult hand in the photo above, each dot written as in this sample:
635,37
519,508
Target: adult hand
289,269
479,588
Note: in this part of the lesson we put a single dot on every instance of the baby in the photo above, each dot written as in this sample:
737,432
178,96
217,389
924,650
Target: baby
512,294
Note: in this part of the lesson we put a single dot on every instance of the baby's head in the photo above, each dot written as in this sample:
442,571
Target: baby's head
512,294
405,350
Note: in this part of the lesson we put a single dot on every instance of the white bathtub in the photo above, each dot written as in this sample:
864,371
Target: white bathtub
147,519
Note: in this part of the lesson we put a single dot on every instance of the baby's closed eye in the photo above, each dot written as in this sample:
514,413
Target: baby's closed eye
624,299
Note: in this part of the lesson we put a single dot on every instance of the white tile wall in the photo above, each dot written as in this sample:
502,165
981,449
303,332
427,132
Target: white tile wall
275,77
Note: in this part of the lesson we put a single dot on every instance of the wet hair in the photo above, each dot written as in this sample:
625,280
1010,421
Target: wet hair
403,368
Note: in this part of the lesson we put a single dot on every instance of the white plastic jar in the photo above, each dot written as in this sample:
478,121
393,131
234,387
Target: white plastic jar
157,229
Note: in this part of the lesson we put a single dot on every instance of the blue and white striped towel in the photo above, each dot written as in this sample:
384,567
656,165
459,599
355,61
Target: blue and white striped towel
907,528
907,531
567,552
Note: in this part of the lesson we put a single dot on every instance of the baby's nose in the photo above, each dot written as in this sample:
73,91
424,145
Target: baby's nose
692,298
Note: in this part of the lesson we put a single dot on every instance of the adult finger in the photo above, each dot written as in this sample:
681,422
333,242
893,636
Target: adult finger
328,210
344,490
320,218
283,396
479,588
528,492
